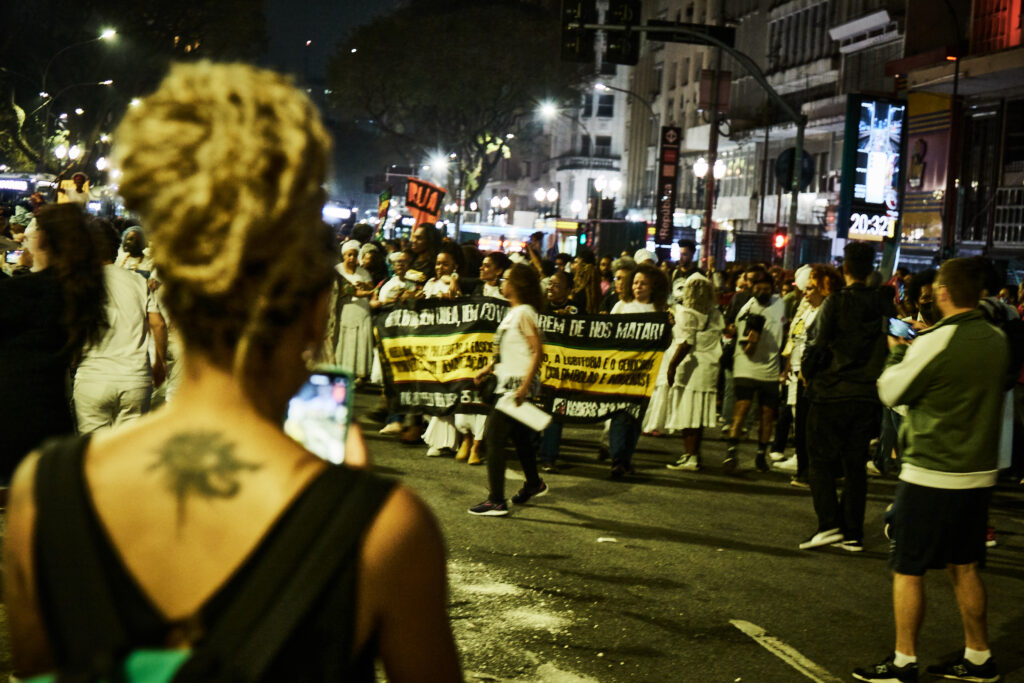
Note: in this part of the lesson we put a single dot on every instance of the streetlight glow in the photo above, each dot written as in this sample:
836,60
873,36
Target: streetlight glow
135,102
109,81
79,111
615,185
602,87
102,164
700,167
719,170
60,152
548,110
540,195
552,194
108,33
505,202
600,182
74,152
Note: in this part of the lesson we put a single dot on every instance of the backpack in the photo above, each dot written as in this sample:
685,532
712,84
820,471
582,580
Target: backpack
1001,315
321,532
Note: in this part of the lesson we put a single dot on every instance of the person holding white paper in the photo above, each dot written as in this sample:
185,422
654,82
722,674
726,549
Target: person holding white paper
516,368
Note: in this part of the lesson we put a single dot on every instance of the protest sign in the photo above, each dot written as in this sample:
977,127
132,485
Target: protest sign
592,366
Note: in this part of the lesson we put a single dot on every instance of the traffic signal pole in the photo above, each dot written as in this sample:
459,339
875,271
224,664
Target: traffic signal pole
720,37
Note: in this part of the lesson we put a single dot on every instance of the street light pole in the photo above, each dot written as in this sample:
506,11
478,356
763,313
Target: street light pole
653,116
107,34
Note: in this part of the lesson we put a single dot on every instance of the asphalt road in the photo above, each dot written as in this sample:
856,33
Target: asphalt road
672,576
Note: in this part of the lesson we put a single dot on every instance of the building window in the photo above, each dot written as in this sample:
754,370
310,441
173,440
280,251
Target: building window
670,114
585,145
672,69
656,82
608,69
588,106
684,76
603,146
606,106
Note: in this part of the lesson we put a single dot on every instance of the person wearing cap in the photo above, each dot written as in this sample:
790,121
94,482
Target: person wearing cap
350,334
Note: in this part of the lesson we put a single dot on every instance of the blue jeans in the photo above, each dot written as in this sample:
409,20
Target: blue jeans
550,440
622,439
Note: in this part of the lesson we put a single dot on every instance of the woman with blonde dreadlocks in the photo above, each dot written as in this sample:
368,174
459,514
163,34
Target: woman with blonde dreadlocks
201,513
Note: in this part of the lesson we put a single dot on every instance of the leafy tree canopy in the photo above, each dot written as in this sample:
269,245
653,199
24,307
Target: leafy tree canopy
454,76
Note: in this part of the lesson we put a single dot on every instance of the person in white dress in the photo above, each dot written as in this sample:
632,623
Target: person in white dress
441,435
392,291
351,332
662,407
694,367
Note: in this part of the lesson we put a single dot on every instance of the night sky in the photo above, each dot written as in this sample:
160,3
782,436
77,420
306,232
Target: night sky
290,23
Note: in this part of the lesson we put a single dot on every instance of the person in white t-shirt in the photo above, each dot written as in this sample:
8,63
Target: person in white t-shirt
114,378
516,367
761,326
650,295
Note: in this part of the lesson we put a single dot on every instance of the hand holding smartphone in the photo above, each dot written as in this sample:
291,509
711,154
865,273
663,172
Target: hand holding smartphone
320,412
901,329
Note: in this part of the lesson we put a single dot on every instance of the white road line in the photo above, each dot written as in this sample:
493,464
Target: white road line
785,652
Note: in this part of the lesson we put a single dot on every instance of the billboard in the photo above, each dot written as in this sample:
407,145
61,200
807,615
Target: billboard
870,197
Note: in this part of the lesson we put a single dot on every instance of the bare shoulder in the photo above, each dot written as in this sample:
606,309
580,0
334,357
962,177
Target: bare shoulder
405,528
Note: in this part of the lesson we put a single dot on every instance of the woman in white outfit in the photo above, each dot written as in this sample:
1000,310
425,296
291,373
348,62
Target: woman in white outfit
352,333
441,435
662,406
694,367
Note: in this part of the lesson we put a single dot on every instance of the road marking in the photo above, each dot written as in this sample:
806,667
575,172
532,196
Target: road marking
784,652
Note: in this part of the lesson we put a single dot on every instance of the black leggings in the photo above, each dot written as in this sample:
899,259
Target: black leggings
497,432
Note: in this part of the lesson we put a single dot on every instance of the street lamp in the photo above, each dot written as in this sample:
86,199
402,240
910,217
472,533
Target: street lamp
546,197
603,87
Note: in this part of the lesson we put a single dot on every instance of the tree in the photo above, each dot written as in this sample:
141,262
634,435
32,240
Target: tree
56,44
454,76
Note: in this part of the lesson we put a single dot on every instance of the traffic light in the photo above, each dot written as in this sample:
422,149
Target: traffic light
622,47
578,42
779,240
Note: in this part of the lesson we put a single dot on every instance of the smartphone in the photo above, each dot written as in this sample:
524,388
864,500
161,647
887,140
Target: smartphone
899,328
13,256
320,412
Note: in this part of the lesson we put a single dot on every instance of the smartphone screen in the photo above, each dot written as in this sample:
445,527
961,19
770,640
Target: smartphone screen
13,256
320,412
899,328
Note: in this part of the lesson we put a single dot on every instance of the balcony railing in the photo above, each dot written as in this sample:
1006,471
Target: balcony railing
571,161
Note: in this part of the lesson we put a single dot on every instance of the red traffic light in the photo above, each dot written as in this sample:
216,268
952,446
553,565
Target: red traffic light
779,241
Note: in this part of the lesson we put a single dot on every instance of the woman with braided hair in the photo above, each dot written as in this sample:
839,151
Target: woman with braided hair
225,165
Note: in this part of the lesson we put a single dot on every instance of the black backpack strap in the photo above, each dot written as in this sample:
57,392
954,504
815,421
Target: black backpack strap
82,623
322,532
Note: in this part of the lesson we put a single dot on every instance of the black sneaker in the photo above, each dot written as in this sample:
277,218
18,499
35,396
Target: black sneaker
962,670
887,672
489,509
526,493
731,459
761,462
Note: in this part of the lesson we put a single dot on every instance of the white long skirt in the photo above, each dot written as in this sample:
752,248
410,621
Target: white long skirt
441,433
354,351
694,408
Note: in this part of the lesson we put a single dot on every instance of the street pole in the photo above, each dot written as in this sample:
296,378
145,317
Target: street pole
709,180
789,260
651,119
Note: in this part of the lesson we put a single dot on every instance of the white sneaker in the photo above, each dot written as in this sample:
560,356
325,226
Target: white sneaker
776,456
434,452
391,428
822,538
872,470
786,465
690,463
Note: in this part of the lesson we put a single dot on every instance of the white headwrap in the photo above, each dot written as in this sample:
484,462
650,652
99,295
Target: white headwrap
802,277
642,255
350,245
369,246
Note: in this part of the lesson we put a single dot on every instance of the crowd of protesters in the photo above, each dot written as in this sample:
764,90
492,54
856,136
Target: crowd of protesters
794,361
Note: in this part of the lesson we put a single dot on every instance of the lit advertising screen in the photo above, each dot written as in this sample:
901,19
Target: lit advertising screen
870,198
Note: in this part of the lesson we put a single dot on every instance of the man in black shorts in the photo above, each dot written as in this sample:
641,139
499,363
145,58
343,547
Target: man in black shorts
950,380
844,356
761,329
